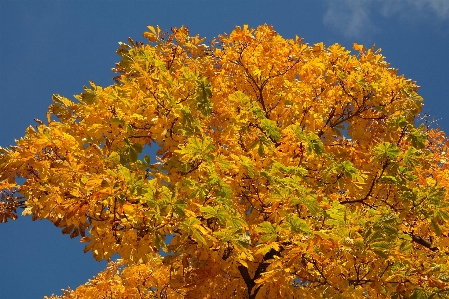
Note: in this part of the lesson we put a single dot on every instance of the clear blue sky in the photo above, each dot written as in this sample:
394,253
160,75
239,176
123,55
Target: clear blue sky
51,47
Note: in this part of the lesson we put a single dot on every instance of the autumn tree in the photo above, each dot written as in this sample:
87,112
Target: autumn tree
282,170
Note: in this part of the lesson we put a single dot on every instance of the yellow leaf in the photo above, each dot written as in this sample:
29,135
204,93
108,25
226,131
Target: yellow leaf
265,276
357,47
128,208
243,262
27,211
152,29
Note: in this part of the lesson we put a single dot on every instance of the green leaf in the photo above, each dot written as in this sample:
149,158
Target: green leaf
179,207
132,156
314,144
117,120
296,224
248,164
388,179
436,227
382,245
191,125
441,214
389,218
312,205
198,149
348,169
208,212
236,222
336,212
197,234
227,234
137,147
386,151
374,236
405,246
417,137
89,96
204,93
268,232
256,110
129,129
405,237
261,150
271,129
190,222
398,122
223,163
411,157
381,254
390,231
222,216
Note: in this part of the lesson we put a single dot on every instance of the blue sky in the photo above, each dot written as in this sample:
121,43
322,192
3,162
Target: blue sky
49,47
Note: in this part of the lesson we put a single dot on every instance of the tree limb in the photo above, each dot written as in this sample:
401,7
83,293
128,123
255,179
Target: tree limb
251,282
423,242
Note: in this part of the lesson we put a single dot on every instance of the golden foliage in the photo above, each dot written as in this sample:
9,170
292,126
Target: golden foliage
282,169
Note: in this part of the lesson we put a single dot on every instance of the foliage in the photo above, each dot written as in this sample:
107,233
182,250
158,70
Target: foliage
282,169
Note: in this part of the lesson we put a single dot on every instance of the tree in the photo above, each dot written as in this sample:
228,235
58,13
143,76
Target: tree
282,169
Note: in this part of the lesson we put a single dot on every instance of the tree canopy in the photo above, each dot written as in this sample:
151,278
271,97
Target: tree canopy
282,170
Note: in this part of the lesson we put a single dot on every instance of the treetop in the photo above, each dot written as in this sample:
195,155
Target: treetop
281,169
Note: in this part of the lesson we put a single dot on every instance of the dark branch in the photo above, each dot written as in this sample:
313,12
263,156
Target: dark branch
423,242
250,282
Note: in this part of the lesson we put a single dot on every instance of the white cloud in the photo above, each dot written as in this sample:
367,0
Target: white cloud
439,7
413,8
352,17
349,17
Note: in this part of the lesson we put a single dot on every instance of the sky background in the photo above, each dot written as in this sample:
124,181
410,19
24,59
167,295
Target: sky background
49,47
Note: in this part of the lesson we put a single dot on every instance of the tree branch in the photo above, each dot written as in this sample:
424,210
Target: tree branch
423,242
250,282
